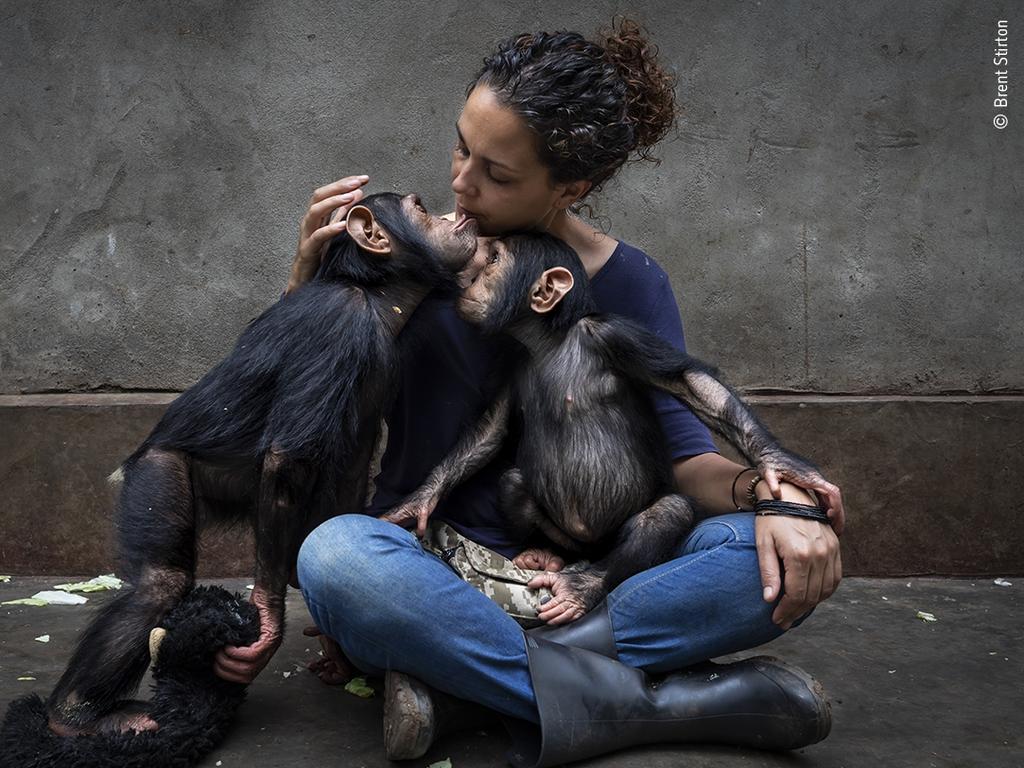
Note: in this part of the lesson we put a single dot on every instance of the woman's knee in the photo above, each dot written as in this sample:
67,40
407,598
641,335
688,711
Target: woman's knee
720,530
348,548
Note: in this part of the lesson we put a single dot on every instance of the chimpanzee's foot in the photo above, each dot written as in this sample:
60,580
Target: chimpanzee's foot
130,716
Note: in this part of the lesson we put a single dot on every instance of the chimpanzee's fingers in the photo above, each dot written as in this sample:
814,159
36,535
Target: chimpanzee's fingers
569,612
565,618
554,564
421,521
527,560
772,478
542,580
232,671
252,652
836,510
553,608
402,516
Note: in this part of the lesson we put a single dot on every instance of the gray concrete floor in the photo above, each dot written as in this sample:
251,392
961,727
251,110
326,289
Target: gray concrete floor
904,692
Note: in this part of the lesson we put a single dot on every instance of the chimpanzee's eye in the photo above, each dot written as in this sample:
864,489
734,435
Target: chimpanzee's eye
492,254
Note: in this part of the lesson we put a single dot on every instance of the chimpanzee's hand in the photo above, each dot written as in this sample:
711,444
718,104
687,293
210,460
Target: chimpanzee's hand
333,668
776,464
416,509
241,664
573,593
319,225
537,559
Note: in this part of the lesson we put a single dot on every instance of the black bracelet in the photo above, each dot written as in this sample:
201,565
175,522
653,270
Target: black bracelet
738,476
791,509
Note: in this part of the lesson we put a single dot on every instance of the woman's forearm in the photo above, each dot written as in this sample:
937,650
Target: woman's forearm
709,477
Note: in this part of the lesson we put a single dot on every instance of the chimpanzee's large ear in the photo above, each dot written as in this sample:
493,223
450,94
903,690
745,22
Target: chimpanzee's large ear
549,289
368,234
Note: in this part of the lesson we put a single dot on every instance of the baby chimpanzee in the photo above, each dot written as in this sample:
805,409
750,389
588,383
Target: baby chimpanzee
593,473
279,434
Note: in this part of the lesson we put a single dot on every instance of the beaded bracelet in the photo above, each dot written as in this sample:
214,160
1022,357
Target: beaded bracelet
750,489
791,509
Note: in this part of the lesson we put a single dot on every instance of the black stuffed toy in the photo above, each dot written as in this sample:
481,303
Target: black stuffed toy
191,705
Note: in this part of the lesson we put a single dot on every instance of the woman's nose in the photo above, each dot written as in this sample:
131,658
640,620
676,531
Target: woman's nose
461,181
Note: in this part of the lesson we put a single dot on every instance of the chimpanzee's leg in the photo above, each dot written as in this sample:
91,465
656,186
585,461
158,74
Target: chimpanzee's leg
645,540
648,538
522,512
282,507
157,542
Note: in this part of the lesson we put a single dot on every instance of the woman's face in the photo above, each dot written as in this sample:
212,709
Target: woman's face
497,177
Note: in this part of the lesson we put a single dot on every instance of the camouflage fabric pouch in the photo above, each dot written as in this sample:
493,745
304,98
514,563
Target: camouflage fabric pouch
487,571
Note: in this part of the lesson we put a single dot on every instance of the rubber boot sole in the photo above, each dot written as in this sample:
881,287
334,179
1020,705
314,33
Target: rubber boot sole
409,717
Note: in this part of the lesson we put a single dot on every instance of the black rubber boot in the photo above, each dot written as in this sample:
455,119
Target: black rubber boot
416,714
590,705
593,632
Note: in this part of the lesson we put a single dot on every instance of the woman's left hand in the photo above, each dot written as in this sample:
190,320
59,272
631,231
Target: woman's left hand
777,465
803,552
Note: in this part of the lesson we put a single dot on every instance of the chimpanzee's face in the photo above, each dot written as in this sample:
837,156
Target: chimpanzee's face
479,298
455,244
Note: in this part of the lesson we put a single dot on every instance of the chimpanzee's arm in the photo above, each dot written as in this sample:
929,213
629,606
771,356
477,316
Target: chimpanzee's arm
279,527
636,352
473,451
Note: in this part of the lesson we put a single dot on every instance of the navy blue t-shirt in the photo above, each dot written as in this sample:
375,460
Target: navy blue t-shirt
446,385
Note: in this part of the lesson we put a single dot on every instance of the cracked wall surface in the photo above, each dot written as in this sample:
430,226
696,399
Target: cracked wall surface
837,212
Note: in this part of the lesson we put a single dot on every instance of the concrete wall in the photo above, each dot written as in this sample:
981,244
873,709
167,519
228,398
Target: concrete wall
839,217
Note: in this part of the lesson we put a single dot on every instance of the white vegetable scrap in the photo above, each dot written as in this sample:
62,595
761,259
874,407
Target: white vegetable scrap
97,584
48,597
60,598
42,639
925,616
1003,583
4,579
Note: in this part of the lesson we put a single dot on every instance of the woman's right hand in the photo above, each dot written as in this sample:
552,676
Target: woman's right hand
325,218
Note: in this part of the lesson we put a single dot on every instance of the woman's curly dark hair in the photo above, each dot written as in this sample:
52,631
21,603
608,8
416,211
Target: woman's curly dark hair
591,105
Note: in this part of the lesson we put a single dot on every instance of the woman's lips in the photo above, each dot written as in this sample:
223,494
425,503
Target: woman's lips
460,212
464,218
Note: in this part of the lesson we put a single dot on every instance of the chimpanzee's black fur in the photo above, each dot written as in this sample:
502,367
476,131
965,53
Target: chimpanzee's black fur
279,435
192,706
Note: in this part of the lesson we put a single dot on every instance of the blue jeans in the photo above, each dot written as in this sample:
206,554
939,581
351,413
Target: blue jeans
391,605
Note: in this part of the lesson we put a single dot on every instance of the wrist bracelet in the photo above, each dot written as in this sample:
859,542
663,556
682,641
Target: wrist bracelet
791,509
750,489
738,476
